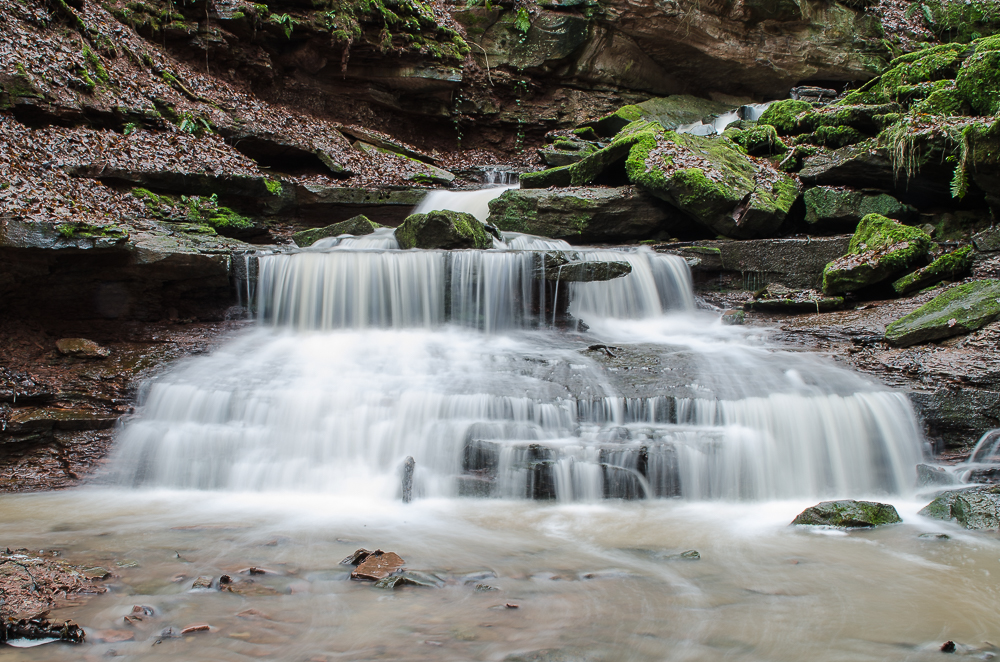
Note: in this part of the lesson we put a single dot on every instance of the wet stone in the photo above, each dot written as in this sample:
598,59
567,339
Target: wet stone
202,584
378,565
82,348
848,514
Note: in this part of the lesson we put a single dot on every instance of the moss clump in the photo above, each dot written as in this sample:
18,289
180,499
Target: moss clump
443,229
273,186
833,137
880,249
785,115
945,100
587,133
88,231
978,81
840,209
947,267
848,514
194,212
95,65
760,140
958,311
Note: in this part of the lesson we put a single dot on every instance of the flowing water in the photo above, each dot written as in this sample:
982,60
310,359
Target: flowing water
568,469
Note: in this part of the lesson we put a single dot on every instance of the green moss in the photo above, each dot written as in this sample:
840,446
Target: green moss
443,229
273,186
833,137
848,514
784,116
86,230
946,100
760,140
545,178
959,310
587,133
95,65
978,82
946,267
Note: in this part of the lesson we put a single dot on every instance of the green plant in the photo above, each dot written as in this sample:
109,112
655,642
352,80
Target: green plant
286,22
522,22
130,128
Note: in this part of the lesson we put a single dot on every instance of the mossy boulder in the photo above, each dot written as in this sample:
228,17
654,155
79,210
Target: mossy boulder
443,229
785,116
865,164
960,310
978,80
565,152
709,179
880,249
779,299
831,209
952,266
848,514
358,226
975,508
583,214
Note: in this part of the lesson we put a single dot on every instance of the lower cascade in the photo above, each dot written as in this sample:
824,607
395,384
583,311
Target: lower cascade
365,355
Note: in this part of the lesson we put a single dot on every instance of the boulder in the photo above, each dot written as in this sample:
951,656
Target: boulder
974,508
960,310
832,209
862,165
987,241
565,151
708,179
760,140
82,348
558,267
931,476
581,215
443,229
357,226
848,514
785,116
952,266
978,79
880,249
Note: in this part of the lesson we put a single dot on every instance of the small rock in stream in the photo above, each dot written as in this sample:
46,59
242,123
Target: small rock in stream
196,627
82,348
202,583
357,558
848,514
378,565
734,318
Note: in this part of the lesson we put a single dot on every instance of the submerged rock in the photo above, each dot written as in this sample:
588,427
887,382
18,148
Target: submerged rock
848,514
840,209
880,249
82,348
583,214
443,229
358,226
928,475
960,310
952,266
557,268
973,508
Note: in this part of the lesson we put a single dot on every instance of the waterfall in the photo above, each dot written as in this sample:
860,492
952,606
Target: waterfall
476,203
365,354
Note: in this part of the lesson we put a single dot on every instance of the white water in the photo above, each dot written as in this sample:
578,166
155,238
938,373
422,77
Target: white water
718,125
367,354
476,203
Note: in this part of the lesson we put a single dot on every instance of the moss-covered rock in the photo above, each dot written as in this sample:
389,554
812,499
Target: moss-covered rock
880,249
952,266
545,178
443,229
358,226
978,81
960,310
581,214
831,209
849,514
759,140
565,152
975,508
709,179
785,116
779,299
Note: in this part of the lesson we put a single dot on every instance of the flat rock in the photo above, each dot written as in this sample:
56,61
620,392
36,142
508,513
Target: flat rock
848,514
584,214
960,310
378,565
861,165
357,226
973,508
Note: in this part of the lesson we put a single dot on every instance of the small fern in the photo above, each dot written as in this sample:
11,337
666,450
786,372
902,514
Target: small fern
523,21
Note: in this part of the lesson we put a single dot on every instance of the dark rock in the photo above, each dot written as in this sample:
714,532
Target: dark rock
987,240
372,138
443,229
545,178
410,578
582,215
39,627
880,249
47,419
82,348
357,558
423,173
960,310
957,417
974,508
378,565
848,514
319,204
839,209
862,165
357,226
584,272
813,94
779,299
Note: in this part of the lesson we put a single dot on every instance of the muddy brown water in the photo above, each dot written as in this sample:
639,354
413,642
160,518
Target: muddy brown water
594,581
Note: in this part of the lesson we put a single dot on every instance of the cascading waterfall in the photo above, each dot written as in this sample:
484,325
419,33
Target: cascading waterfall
366,354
